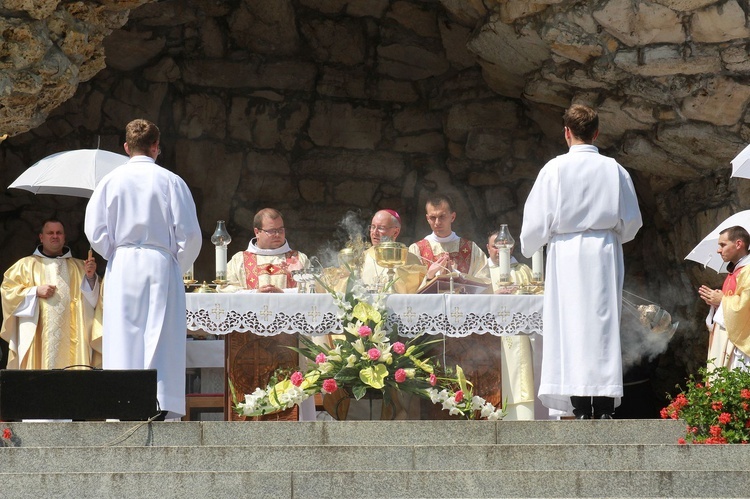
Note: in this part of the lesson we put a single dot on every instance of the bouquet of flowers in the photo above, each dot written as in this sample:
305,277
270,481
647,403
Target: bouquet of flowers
366,357
716,408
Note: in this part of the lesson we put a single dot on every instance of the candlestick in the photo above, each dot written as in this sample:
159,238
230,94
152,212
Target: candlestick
537,265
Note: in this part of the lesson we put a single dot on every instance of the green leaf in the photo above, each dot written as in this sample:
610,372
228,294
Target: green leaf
374,376
461,379
359,391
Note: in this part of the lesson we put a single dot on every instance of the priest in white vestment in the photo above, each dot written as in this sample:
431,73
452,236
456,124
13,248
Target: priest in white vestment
583,207
443,251
729,316
267,263
50,304
386,226
516,352
141,218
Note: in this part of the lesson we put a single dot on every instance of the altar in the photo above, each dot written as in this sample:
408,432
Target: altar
472,326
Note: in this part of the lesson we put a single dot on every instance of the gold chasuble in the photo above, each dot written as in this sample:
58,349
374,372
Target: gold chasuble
59,331
736,309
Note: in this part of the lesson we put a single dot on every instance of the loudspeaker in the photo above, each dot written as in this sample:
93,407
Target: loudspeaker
80,395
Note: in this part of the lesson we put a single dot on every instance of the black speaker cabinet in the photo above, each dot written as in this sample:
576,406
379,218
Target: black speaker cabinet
80,395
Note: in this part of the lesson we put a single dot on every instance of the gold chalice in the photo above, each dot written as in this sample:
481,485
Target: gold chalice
390,255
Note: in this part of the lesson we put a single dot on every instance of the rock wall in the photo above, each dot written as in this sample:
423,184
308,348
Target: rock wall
321,107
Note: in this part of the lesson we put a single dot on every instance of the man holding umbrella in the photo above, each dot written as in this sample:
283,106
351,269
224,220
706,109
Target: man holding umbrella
141,218
729,343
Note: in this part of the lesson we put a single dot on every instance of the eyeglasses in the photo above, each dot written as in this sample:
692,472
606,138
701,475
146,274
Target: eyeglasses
274,232
378,228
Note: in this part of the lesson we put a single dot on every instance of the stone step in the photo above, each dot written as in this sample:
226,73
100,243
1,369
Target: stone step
345,433
372,483
526,457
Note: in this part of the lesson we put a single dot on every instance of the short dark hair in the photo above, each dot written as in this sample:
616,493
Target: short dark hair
582,121
50,221
265,213
140,135
437,199
737,233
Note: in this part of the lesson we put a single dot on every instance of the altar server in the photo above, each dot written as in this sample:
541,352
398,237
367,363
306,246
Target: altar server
584,207
141,218
443,250
267,264
729,317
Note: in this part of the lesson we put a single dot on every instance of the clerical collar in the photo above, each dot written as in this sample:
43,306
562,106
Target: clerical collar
252,248
492,264
437,239
731,267
65,254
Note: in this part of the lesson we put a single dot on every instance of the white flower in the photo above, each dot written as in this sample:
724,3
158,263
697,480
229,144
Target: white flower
495,416
359,346
449,403
378,335
410,372
487,410
433,394
351,360
454,410
477,403
386,357
325,367
335,354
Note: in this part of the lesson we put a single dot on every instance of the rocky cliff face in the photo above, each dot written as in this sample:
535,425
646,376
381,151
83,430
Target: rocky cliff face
319,107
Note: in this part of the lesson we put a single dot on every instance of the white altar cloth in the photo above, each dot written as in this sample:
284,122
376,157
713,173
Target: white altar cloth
269,314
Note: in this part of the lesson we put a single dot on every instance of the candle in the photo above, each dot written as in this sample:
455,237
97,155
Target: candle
503,262
221,262
537,265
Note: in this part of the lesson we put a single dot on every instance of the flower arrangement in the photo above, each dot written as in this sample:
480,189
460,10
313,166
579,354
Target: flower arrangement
366,358
716,407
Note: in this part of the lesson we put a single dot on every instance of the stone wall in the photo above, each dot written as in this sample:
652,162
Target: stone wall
321,107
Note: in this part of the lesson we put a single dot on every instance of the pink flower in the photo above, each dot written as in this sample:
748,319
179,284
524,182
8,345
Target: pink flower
400,375
373,353
664,413
459,395
330,385
717,406
715,431
399,348
433,380
321,357
364,331
681,441
7,434
725,418
297,378
745,393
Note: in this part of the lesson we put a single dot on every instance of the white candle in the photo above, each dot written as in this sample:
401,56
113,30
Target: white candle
221,262
537,265
503,262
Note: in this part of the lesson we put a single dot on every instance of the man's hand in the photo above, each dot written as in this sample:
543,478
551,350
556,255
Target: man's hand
45,291
269,288
90,266
442,262
710,296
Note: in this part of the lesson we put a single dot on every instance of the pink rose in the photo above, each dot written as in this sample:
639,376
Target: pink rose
373,353
400,375
330,385
320,358
399,348
459,396
433,380
297,378
364,331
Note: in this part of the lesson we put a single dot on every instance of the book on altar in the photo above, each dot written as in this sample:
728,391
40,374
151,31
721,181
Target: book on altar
462,285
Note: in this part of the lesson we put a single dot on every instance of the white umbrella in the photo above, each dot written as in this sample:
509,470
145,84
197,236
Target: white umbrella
705,253
741,164
69,173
